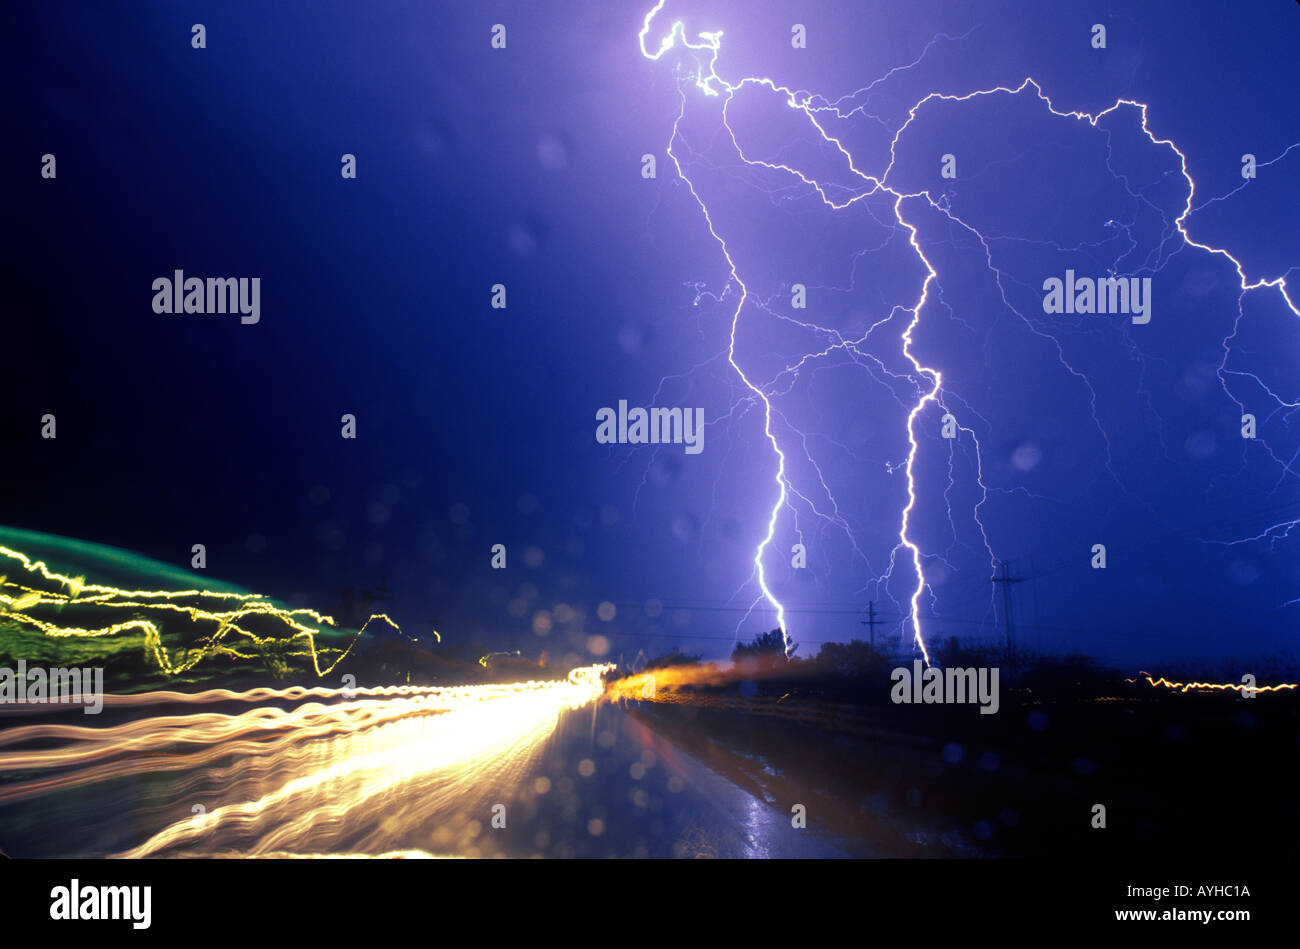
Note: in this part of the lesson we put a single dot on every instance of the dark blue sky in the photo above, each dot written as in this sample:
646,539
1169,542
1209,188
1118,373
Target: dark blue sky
522,167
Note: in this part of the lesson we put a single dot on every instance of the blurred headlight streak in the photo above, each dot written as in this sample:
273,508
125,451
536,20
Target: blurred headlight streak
357,776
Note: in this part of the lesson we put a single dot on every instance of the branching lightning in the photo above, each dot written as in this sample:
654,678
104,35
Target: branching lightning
703,78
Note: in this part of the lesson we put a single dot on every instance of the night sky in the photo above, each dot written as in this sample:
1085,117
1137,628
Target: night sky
523,167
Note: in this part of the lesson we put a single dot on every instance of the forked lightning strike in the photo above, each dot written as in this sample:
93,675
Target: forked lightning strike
929,380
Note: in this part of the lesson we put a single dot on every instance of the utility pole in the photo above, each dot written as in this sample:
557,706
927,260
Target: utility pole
1006,580
871,622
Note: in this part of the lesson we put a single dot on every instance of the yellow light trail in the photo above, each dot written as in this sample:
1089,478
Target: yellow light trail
18,600
1213,686
309,771
298,780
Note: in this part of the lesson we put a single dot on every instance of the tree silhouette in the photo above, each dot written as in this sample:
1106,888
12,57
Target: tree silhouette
770,645
674,658
854,660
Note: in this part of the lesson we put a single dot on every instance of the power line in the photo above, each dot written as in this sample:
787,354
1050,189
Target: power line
742,609
871,622
1006,580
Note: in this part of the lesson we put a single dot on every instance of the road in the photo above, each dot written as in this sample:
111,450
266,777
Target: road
508,773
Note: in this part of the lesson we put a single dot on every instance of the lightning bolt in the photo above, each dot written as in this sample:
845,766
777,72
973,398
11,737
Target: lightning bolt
928,380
